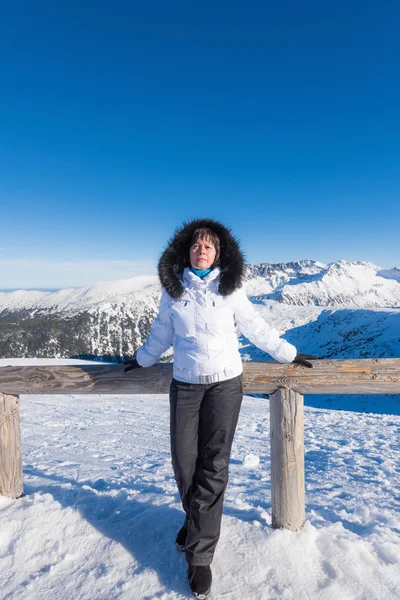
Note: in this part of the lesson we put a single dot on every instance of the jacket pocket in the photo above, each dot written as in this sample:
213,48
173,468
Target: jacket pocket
183,317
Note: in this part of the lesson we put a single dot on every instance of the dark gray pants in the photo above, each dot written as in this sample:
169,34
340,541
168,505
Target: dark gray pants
203,423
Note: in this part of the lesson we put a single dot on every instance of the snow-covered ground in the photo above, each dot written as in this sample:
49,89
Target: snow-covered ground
101,509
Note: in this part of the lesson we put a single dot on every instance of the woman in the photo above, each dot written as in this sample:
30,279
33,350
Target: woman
202,272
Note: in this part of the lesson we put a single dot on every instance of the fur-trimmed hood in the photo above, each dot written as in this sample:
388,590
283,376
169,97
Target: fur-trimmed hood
175,258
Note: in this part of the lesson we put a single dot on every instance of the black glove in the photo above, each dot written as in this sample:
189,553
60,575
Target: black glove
132,364
301,359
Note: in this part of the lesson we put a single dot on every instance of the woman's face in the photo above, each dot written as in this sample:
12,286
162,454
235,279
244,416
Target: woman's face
202,254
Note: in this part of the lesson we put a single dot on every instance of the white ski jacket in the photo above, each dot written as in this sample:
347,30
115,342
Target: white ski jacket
201,327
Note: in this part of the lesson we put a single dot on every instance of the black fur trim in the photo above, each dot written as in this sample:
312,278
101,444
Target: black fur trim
176,257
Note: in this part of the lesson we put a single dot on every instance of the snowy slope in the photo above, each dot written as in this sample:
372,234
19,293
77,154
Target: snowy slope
334,332
102,509
75,299
107,319
339,310
342,283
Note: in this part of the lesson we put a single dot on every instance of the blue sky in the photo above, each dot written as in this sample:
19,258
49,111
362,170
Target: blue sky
119,120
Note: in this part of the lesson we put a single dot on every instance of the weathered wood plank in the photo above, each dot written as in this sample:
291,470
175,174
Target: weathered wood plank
361,376
287,459
11,484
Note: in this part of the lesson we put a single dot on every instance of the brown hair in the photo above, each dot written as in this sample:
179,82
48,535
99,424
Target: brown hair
208,234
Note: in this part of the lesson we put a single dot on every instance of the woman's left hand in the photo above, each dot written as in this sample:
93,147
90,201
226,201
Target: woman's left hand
303,359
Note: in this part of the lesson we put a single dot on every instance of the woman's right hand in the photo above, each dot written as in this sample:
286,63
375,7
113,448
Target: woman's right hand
132,364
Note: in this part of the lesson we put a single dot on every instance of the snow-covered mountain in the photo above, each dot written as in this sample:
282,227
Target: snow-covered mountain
105,319
337,310
343,283
77,299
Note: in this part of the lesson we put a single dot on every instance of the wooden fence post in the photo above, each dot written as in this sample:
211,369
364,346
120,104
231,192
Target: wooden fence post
11,484
287,459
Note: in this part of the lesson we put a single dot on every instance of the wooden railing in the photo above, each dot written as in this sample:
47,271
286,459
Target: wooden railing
286,384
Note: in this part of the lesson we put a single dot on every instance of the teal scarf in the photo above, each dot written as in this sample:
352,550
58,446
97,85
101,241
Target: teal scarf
200,272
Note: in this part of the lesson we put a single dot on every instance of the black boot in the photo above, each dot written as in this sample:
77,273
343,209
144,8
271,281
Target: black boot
200,581
181,538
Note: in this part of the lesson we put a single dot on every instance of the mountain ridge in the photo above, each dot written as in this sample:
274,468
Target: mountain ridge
113,318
